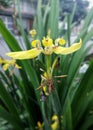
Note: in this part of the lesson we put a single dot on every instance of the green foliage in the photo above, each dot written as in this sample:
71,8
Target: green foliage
72,99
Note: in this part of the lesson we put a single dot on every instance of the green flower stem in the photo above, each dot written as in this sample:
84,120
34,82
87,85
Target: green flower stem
48,64
46,123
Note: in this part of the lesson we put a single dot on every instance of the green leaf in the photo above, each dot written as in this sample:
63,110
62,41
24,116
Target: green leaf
20,25
7,99
53,18
67,116
11,119
40,29
83,96
8,37
87,123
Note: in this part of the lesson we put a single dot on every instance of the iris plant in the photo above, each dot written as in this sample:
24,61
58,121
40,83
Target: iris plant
47,47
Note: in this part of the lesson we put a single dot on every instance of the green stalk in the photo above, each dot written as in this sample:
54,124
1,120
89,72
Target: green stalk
48,64
46,123
69,30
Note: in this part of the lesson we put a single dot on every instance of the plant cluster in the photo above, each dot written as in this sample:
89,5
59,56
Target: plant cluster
41,87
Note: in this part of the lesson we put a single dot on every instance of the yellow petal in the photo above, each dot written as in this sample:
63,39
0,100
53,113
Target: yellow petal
1,60
55,125
39,125
17,66
5,67
54,118
11,62
61,41
35,43
47,42
68,50
29,54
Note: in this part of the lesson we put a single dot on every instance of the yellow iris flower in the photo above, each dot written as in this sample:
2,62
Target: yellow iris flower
39,125
55,123
7,63
33,32
47,47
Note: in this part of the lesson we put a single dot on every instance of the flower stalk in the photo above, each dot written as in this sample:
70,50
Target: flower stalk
48,65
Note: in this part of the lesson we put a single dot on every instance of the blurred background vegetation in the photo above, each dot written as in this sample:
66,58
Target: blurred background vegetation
6,3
